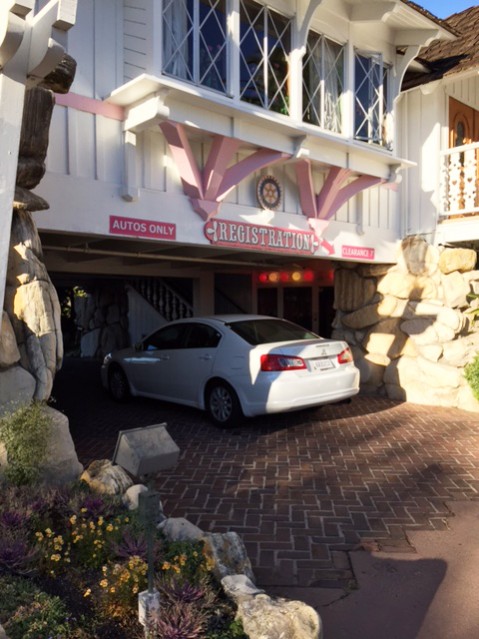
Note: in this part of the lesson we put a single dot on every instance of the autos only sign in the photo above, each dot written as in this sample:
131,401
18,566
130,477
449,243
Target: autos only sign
142,228
266,238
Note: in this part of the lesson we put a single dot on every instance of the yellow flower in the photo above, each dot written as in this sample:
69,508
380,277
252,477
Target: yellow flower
110,528
55,557
39,536
87,592
104,583
166,565
73,520
112,589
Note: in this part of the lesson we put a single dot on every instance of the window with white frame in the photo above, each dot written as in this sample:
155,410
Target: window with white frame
323,82
265,47
194,42
371,99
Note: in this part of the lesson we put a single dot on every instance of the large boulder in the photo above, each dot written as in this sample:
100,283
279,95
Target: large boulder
457,259
61,465
180,529
265,617
352,291
387,338
228,554
456,290
103,477
9,353
32,304
418,257
17,387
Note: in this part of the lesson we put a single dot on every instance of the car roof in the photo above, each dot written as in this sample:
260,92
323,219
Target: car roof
229,318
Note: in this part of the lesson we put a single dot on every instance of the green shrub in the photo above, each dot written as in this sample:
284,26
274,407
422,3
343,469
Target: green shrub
471,373
16,592
82,558
25,434
42,616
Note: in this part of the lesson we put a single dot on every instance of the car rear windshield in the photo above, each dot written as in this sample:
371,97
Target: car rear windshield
265,331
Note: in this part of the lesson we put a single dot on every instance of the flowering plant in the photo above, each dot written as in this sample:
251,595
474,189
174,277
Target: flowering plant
72,565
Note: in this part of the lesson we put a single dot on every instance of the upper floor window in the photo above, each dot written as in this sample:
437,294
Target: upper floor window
323,82
194,41
265,46
371,99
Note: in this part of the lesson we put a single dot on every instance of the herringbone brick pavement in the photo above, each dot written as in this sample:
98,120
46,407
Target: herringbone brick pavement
303,488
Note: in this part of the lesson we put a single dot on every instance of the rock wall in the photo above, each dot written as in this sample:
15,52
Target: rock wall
31,347
102,319
409,324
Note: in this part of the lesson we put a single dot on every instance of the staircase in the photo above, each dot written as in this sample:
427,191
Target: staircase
152,303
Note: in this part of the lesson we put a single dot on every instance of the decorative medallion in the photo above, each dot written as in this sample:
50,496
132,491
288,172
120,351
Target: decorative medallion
268,192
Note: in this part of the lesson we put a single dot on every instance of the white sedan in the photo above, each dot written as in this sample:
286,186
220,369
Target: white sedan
234,365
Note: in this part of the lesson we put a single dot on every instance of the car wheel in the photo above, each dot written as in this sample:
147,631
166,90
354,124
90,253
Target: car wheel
222,404
118,385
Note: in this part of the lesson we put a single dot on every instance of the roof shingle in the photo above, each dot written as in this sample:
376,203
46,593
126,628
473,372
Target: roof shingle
445,58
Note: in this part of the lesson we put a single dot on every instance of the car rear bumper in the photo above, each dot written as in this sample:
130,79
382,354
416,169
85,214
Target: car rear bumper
280,395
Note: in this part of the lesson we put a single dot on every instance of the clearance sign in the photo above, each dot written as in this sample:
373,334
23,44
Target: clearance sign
255,236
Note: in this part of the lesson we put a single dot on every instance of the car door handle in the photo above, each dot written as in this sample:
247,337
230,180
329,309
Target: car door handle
205,357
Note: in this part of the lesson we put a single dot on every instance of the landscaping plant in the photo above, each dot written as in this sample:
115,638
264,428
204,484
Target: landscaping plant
24,432
72,564
471,373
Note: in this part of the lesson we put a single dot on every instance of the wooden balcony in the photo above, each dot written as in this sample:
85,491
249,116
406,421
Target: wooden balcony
459,182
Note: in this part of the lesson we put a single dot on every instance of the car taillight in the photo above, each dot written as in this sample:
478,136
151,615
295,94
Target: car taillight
281,363
345,356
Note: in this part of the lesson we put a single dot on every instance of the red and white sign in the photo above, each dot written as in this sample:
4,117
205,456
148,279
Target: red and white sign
265,238
358,252
142,228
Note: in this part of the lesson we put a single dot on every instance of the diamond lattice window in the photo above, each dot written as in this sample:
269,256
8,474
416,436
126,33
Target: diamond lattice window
194,42
323,82
371,122
265,46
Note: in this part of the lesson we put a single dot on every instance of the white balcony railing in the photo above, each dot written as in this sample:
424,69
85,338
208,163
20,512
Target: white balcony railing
459,181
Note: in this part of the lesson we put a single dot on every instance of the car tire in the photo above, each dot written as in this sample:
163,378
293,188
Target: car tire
118,385
222,404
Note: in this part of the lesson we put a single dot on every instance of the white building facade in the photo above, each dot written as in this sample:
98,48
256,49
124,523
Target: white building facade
241,147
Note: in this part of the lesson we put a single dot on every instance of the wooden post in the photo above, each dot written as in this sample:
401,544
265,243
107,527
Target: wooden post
31,45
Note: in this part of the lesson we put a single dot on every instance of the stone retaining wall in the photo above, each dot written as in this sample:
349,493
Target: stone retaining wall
101,316
409,324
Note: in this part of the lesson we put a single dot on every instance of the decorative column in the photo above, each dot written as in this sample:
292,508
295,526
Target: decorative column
31,46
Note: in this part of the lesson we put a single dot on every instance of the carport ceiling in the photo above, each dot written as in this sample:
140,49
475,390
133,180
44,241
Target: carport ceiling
137,252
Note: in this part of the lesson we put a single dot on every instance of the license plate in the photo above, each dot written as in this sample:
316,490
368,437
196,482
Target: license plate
321,364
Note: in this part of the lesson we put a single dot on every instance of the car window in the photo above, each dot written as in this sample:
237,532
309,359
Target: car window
265,331
202,336
168,337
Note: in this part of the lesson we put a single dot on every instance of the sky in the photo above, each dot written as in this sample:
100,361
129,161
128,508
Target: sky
445,8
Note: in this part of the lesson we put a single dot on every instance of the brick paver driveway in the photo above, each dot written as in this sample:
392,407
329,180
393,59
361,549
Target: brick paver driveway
302,488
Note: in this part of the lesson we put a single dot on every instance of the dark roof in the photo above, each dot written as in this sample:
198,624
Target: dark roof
428,14
446,58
